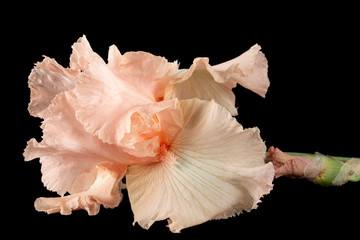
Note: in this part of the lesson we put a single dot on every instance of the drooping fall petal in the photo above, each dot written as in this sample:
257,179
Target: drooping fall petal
105,191
199,177
208,82
67,152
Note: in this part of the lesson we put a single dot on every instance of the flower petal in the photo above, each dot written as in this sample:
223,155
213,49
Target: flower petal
208,82
202,82
249,70
67,152
46,80
151,125
105,190
213,169
105,103
148,73
81,54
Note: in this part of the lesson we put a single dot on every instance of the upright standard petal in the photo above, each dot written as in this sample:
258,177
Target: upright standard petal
105,102
249,70
148,73
208,82
202,82
46,80
212,169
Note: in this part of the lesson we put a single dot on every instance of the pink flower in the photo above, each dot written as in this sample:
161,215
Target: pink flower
186,160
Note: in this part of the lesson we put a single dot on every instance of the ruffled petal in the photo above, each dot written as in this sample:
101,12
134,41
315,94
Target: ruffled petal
202,82
81,54
46,80
249,70
208,82
145,72
105,103
151,125
213,169
62,171
105,191
67,152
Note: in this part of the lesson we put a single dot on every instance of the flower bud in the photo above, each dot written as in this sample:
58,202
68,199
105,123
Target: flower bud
318,168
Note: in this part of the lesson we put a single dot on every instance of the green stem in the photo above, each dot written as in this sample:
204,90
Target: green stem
341,159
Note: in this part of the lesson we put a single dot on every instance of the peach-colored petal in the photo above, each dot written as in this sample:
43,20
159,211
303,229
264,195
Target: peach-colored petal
105,191
202,82
105,103
150,127
208,82
213,169
148,73
249,70
46,80
67,152
171,121
81,54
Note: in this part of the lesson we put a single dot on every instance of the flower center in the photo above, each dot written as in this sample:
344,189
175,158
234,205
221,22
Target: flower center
163,151
166,155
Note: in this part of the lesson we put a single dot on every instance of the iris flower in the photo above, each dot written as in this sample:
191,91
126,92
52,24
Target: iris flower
171,133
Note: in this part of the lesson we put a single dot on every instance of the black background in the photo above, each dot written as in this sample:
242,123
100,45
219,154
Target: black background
312,104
